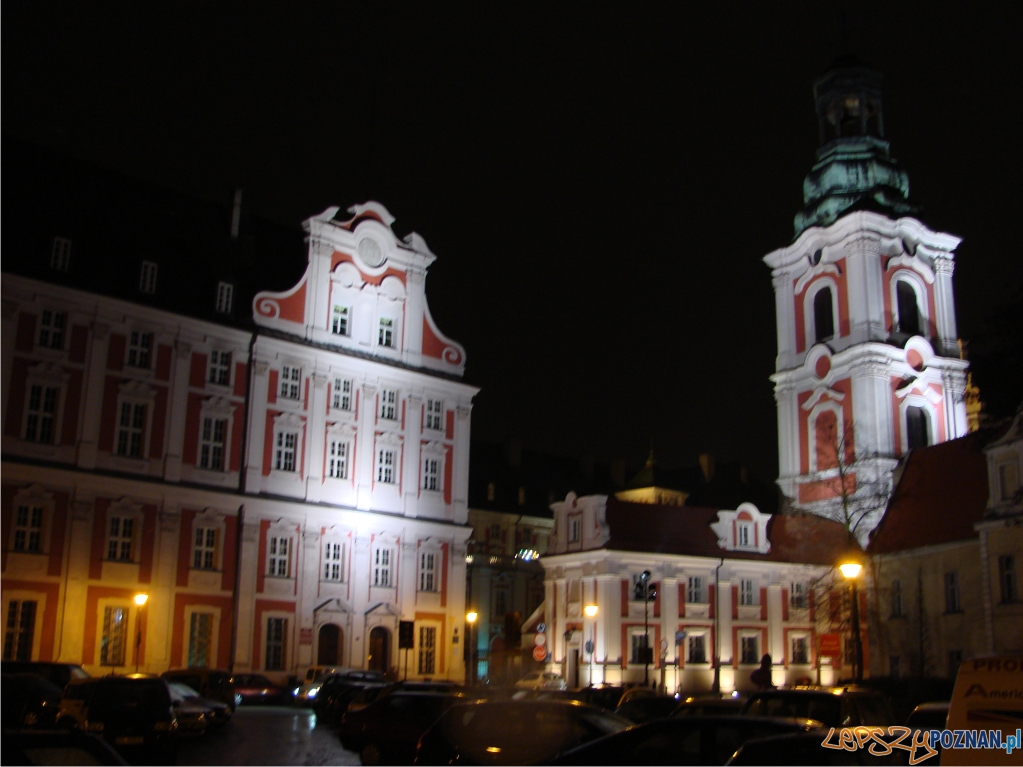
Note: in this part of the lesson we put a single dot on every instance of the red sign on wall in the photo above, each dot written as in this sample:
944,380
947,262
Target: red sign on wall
539,653
830,645
305,636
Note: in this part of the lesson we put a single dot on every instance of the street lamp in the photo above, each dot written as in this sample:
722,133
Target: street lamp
648,652
850,571
590,611
140,600
470,674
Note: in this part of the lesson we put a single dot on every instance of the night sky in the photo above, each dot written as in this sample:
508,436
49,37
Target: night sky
599,181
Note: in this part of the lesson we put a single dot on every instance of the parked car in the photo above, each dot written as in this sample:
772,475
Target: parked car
193,718
306,694
256,688
74,703
29,701
513,732
647,709
387,731
806,749
541,680
47,747
366,696
832,706
601,695
58,673
135,716
336,692
682,740
212,683
709,705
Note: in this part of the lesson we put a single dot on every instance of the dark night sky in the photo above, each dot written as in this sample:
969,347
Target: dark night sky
599,181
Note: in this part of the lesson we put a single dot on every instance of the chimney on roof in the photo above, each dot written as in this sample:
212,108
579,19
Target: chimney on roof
707,466
236,215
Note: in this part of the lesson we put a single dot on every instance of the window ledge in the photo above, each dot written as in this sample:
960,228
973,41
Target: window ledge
28,553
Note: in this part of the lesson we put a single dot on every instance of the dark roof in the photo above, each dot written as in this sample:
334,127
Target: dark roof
653,474
115,222
941,492
733,484
685,530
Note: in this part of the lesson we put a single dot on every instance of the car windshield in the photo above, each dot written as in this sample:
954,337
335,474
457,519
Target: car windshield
183,690
823,707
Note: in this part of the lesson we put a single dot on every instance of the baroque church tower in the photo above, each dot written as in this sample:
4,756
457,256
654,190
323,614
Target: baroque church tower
868,366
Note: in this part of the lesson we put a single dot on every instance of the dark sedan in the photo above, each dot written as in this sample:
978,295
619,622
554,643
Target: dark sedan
29,701
256,688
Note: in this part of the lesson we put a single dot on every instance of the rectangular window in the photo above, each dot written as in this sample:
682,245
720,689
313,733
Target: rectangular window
385,336
574,529
431,474
276,631
131,429
51,329
389,404
800,650
219,368
342,394
225,297
1008,481
952,603
697,648
213,444
333,561
291,382
115,633
894,666
41,413
382,568
750,650
204,554
1007,577
279,557
639,645
339,323
694,595
20,630
427,572
742,534
747,595
119,541
140,349
427,649
337,459
798,598
285,448
28,529
896,598
60,256
147,280
385,466
434,411
200,641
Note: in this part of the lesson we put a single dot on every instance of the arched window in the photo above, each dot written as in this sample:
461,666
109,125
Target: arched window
826,440
823,317
909,311
917,428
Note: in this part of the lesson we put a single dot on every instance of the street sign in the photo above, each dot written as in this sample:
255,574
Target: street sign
830,645
540,640
406,635
539,653
679,636
589,646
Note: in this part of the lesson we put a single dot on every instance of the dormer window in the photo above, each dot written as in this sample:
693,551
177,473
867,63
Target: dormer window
225,296
60,256
147,280
744,529
743,534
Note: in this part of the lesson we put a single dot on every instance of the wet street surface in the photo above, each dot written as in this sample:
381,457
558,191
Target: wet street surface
268,735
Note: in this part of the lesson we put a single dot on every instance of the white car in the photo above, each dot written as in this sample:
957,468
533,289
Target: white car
541,680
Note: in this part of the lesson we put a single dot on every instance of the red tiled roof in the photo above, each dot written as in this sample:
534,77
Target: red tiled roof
685,530
941,493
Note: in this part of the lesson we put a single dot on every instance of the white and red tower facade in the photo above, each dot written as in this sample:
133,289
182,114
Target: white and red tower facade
868,366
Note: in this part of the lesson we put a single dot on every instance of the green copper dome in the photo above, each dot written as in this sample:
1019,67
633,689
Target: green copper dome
853,170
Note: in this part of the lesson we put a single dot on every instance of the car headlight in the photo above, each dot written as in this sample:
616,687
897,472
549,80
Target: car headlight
296,691
312,692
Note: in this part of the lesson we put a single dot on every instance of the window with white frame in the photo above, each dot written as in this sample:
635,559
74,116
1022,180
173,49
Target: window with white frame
28,529
41,413
342,394
697,648
204,550
200,640
743,534
225,297
427,649
147,278
219,368
276,636
389,404
114,639
285,450
749,649
52,327
747,593
798,598
386,465
1008,481
339,321
213,443
131,430
333,561
60,255
19,633
291,382
382,567
120,537
575,526
427,571
434,412
800,649
140,349
694,594
431,473
385,333
908,308
918,432
337,458
639,645
278,556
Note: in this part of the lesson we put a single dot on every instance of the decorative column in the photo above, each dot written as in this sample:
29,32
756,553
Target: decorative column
316,429
365,445
178,411
92,402
253,467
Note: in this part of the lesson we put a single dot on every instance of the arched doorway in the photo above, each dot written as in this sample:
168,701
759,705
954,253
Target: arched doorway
329,647
379,649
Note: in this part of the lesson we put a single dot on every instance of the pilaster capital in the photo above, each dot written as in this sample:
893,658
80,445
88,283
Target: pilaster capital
319,380
463,411
944,266
260,367
873,367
